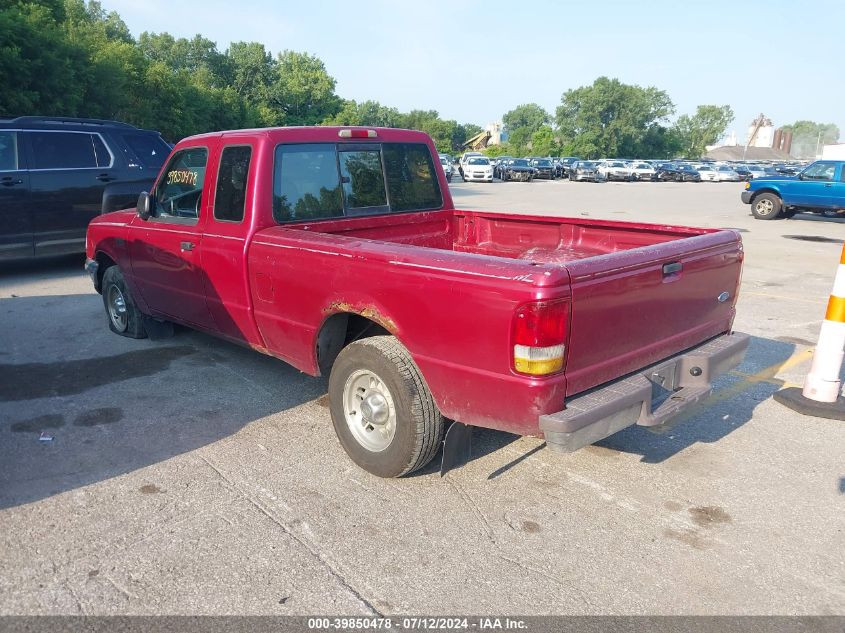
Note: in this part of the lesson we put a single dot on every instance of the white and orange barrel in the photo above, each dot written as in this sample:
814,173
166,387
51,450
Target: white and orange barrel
822,383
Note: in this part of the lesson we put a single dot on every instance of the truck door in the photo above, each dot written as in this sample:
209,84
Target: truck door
166,250
817,186
15,212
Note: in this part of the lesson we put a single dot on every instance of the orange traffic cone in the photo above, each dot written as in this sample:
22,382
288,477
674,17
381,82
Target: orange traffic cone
821,395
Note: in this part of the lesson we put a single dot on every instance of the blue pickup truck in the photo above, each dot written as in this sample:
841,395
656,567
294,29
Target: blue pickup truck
819,188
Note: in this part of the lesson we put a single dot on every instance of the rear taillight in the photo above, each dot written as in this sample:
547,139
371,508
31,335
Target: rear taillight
539,337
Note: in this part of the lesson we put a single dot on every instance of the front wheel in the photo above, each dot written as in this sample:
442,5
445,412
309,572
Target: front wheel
382,411
124,317
766,206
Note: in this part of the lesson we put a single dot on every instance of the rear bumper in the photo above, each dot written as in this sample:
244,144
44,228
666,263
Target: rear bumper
746,196
650,397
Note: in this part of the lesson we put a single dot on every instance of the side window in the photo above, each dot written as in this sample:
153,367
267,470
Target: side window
820,171
306,183
65,150
363,179
411,180
179,190
101,154
230,194
8,151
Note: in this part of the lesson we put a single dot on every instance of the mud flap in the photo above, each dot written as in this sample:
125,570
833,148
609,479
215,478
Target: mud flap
457,447
157,330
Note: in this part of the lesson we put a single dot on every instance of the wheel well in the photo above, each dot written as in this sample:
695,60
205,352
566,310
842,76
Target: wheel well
104,262
338,331
761,191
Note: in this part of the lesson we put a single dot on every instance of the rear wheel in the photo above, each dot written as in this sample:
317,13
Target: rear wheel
766,206
382,411
124,317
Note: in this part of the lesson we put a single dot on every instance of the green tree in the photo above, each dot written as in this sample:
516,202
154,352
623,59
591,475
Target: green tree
703,128
543,142
502,149
369,113
302,91
610,118
252,70
808,137
529,116
38,66
521,123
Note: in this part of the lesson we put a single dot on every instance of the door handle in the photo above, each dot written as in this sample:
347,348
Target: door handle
8,182
105,178
187,246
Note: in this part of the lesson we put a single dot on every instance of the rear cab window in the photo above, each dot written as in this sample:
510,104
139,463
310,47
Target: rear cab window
327,180
178,194
232,174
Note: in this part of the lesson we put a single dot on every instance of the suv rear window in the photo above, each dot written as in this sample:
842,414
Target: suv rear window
146,150
322,180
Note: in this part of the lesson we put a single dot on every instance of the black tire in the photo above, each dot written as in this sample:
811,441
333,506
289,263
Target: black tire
766,206
122,315
418,423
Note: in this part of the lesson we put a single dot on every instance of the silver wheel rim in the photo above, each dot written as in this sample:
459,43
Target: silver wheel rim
369,410
117,308
765,207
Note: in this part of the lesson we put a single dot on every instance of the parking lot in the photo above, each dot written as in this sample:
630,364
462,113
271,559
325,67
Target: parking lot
190,476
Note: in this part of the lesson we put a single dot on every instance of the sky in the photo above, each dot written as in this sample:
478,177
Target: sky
473,60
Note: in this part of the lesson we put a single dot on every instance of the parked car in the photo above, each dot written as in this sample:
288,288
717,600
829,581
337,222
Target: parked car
566,163
688,172
757,171
516,169
725,173
477,169
57,173
543,168
707,172
614,170
743,171
339,250
819,188
501,161
447,168
642,171
585,170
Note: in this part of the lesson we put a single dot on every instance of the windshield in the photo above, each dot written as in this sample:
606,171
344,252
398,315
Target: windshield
704,168
478,161
542,163
642,166
443,161
519,162
586,164
617,164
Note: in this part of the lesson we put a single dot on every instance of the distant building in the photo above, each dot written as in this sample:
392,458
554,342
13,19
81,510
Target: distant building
833,152
762,142
498,134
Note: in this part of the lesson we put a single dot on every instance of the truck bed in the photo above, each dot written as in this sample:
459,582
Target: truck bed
540,240
627,310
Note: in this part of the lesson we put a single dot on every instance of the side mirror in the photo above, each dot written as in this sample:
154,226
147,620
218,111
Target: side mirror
144,206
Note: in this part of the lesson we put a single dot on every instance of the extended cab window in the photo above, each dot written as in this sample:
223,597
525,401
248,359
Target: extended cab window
316,181
230,196
179,191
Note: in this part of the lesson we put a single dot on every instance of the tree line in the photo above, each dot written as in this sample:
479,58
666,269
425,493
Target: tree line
72,58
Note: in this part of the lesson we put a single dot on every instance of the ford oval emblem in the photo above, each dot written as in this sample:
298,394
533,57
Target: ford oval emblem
724,297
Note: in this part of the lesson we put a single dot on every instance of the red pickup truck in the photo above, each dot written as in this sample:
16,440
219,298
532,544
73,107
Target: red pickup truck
339,251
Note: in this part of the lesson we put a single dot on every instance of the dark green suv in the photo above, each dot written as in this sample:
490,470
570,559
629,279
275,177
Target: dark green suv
56,173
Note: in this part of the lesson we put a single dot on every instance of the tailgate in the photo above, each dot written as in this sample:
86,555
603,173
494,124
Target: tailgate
633,308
